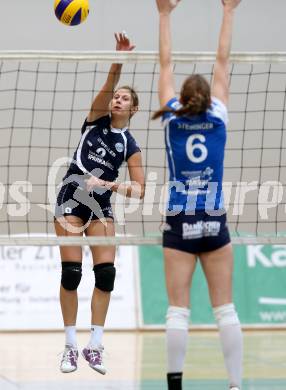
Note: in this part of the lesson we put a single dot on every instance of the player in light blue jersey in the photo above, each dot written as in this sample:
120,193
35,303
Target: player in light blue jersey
195,137
83,206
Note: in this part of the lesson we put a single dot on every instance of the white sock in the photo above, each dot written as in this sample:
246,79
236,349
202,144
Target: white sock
95,336
70,332
231,342
176,337
176,349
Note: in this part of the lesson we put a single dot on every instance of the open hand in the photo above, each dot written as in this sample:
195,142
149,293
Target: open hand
93,182
123,42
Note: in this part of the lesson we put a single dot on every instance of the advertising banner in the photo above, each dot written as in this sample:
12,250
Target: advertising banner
29,289
259,286
30,279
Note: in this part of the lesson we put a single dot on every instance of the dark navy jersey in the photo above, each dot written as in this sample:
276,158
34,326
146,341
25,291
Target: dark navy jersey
195,148
102,150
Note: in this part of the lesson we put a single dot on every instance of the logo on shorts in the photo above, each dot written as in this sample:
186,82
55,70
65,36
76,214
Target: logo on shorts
119,147
68,210
200,229
108,211
105,131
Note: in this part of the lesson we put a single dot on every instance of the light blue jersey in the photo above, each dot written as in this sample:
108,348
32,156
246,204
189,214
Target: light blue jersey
195,148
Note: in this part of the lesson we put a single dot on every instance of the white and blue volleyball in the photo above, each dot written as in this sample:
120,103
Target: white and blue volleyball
71,12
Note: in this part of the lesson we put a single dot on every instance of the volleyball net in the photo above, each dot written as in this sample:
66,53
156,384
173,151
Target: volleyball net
45,97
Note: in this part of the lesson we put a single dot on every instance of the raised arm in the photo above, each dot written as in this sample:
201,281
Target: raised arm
100,105
220,85
166,79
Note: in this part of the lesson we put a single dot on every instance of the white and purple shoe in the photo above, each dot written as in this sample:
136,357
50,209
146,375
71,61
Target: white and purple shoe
69,359
94,357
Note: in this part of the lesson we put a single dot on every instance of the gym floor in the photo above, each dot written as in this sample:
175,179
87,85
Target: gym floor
136,360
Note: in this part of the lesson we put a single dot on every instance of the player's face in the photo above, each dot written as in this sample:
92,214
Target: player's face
121,104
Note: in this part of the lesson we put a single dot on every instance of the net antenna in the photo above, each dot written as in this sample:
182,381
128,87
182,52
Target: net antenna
45,96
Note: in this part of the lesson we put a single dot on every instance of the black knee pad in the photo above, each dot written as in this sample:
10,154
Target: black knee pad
104,276
71,275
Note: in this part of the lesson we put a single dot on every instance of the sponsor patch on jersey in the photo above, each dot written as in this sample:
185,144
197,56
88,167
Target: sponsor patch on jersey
119,147
89,143
101,152
105,131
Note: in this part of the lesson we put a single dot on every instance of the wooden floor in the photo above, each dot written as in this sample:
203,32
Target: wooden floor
29,361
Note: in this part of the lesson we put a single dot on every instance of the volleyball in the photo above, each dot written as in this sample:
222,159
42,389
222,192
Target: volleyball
71,12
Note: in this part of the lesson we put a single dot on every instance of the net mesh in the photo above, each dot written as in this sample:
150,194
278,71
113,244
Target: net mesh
44,102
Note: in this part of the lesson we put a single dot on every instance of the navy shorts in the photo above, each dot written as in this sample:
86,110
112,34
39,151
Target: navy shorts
196,233
73,200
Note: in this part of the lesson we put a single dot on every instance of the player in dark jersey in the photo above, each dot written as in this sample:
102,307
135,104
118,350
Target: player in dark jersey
83,206
195,135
